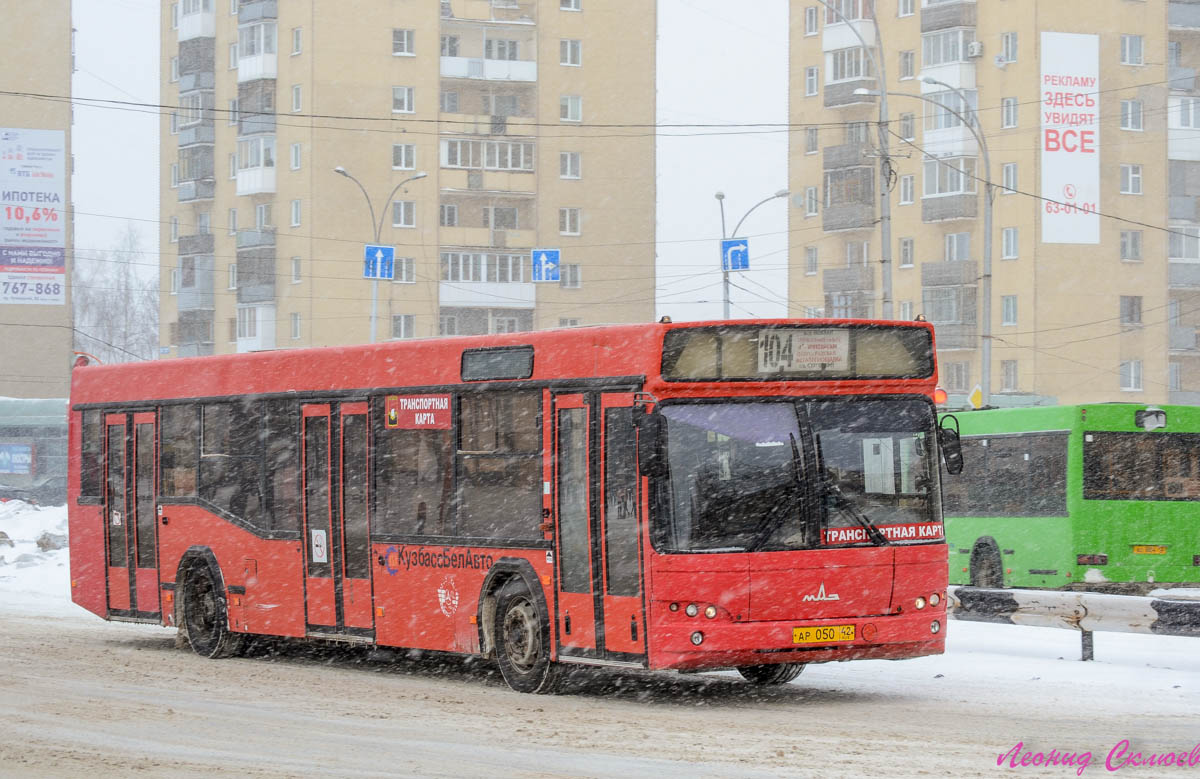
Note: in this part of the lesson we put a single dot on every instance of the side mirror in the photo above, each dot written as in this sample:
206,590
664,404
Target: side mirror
650,430
950,443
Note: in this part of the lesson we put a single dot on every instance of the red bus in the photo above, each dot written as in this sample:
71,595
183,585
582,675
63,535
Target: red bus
754,495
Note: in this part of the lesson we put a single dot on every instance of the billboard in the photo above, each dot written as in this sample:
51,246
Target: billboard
33,216
1069,88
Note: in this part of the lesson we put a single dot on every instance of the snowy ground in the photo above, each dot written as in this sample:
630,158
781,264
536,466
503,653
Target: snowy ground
95,683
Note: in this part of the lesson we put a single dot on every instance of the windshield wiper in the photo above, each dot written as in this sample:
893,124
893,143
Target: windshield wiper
773,520
838,500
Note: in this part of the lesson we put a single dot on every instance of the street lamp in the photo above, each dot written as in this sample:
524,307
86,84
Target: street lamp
377,226
971,122
720,196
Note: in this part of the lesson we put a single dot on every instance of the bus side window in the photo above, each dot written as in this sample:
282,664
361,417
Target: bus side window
230,459
500,465
413,482
91,468
180,426
282,459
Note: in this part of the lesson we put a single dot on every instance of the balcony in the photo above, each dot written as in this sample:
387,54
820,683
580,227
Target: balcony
523,182
840,35
478,68
1183,143
860,278
263,326
254,11
942,208
486,237
472,294
256,181
1183,16
1182,338
1181,78
944,16
956,336
841,93
196,133
1183,275
199,294
950,142
505,11
201,189
200,243
252,239
949,274
848,216
257,66
256,276
195,333
1182,207
253,123
960,75
491,124
190,82
848,155
201,24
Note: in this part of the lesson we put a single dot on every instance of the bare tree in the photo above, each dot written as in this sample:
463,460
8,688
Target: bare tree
116,301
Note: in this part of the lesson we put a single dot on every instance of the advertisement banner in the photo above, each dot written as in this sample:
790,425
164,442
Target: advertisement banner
33,218
16,459
1070,85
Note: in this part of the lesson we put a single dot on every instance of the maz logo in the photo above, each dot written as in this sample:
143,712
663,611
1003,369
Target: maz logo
821,595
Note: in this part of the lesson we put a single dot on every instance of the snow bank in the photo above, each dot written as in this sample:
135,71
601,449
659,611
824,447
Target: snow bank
31,579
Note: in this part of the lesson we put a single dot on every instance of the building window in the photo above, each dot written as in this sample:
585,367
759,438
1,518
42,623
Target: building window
404,213
1131,245
958,376
1008,178
296,270
296,101
174,16
1183,243
569,5
810,20
570,276
448,215
203,223
908,66
232,221
571,321
233,166
569,221
1131,179
848,65
233,56
570,52
1009,243
1008,46
904,8
1189,112
447,324
174,123
810,261
950,176
295,213
1008,112
857,253
1131,50
448,102
848,186
1174,376
811,201
906,252
906,310
1131,309
569,165
1131,114
907,190
233,111
295,326
174,283
1008,376
247,323
908,127
500,217
402,42
811,140
501,49
174,68
449,45
570,108
256,39
296,40
232,329
811,75
405,272
402,325
174,174
404,156
402,100
940,48
263,216
1008,309
232,274
1131,375
958,247
852,10
295,156
949,107
258,152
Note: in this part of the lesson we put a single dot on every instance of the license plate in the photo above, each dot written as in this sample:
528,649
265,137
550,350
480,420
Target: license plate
823,635
1149,549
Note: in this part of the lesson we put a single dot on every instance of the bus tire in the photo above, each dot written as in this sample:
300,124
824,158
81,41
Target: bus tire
522,633
775,673
205,617
987,570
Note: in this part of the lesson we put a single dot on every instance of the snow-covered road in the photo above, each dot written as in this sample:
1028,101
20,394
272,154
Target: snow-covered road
82,696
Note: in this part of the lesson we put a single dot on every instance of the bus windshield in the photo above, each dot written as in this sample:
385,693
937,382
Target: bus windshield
783,475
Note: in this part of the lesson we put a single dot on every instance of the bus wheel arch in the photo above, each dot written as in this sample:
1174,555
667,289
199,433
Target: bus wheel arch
515,624
986,566
501,572
201,611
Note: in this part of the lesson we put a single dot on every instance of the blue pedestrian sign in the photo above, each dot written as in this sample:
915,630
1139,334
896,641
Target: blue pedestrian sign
735,254
545,264
379,262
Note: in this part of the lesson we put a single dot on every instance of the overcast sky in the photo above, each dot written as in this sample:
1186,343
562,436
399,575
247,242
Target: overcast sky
717,63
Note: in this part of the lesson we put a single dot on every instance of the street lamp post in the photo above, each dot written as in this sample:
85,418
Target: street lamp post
377,226
720,196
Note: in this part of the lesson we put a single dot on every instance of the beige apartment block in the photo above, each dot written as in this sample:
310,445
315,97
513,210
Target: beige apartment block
1091,117
470,133
36,338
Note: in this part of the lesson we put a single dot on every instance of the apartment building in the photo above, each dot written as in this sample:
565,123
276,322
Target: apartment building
35,201
1091,123
463,133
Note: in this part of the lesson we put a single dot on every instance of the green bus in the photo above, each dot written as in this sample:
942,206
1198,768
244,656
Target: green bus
1101,497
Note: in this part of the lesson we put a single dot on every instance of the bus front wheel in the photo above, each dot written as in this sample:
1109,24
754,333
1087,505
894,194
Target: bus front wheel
205,619
986,568
523,641
776,673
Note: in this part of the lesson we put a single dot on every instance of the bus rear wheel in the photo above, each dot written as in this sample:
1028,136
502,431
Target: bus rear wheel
205,618
523,641
776,673
986,568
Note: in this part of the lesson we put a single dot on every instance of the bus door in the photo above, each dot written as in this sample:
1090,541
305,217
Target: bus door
336,542
579,602
129,501
624,625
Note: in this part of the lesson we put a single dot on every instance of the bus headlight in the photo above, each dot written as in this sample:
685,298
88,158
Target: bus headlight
692,610
935,599
710,612
920,603
697,638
